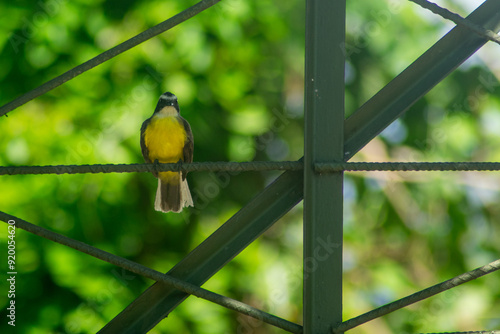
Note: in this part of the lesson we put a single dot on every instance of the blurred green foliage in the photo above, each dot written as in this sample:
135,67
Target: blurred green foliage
237,70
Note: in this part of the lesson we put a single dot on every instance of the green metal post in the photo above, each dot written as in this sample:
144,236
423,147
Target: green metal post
324,141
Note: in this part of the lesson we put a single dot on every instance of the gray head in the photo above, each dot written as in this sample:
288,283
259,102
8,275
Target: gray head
167,99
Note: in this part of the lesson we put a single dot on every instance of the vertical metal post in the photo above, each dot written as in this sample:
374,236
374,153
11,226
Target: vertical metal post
324,136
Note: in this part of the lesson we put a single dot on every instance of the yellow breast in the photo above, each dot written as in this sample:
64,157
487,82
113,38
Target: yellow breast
165,137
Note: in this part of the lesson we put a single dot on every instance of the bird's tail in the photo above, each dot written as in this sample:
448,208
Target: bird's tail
173,193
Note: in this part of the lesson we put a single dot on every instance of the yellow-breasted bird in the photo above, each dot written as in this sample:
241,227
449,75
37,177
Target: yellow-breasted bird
166,137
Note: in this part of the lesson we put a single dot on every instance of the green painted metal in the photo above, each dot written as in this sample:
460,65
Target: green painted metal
414,82
372,118
324,142
211,255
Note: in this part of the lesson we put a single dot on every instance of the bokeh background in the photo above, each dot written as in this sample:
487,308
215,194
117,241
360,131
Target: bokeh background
237,70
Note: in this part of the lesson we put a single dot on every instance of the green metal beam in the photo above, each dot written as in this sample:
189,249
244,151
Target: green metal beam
324,142
157,302
205,260
420,77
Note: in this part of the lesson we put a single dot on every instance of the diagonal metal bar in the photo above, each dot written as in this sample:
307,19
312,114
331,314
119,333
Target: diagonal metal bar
414,82
323,142
156,302
107,55
139,269
211,255
418,296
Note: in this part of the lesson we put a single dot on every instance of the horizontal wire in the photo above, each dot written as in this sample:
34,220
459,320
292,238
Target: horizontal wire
139,269
458,20
160,167
418,296
107,55
470,332
324,167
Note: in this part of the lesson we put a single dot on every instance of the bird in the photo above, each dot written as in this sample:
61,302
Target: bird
166,137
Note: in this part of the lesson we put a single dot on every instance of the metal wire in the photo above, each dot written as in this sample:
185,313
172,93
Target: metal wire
472,332
107,55
458,20
141,168
407,166
252,166
418,296
139,269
